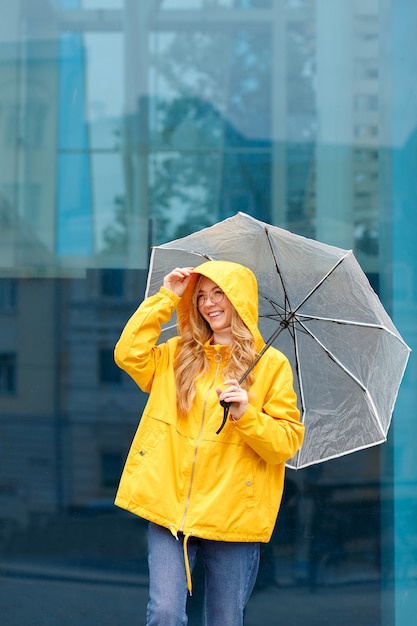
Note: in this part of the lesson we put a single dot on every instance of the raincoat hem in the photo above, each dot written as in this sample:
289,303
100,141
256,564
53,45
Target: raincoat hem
202,533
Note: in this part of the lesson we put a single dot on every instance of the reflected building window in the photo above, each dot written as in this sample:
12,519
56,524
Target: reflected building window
112,283
7,373
366,102
365,154
366,69
366,131
11,113
109,373
111,468
8,294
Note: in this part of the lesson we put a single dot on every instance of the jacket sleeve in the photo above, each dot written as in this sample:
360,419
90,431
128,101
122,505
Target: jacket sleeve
136,351
275,433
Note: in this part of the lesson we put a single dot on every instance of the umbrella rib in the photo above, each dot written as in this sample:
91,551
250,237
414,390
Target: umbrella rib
304,317
298,373
315,288
321,281
344,322
286,307
348,372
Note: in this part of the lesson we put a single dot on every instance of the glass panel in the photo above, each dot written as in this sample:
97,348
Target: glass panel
126,124
184,186
7,373
399,207
105,95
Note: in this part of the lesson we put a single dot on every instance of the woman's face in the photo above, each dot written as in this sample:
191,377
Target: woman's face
217,314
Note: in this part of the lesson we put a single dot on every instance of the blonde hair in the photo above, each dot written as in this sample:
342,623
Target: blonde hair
191,361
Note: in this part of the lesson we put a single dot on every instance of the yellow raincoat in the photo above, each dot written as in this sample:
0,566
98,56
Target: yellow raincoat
179,473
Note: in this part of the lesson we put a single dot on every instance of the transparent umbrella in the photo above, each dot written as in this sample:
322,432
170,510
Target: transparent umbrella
315,305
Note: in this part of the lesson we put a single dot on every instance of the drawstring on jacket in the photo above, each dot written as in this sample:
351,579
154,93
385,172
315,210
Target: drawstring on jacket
186,559
187,564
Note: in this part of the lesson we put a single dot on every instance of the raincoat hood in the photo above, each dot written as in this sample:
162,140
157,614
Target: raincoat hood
240,286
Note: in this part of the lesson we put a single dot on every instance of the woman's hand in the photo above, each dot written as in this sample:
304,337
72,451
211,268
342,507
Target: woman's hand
178,279
237,397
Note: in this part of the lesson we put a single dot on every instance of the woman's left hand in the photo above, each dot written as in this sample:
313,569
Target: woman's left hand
237,397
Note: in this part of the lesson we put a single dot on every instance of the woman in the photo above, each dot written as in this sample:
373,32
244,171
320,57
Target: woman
217,494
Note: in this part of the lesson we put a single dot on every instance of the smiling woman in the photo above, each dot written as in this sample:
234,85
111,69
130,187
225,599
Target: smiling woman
193,371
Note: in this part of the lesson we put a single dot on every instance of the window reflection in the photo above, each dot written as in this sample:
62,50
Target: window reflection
104,90
8,294
7,373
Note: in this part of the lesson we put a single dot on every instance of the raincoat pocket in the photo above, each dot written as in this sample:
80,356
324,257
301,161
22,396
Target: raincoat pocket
145,443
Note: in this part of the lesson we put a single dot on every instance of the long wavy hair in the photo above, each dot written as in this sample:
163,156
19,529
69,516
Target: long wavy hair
191,361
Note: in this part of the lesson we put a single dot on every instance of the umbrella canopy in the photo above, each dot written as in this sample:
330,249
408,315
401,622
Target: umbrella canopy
318,308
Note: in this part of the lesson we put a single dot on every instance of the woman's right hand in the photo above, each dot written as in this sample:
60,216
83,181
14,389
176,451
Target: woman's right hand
178,279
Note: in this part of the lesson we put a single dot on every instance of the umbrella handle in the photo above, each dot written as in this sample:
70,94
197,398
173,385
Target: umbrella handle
226,407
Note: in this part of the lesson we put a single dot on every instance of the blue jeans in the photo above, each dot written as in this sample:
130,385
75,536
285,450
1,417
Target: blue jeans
230,574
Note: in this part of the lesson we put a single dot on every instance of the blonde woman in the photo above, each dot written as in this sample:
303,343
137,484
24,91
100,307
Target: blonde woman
205,490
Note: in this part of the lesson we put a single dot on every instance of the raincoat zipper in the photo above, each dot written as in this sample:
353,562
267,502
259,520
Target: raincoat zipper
187,503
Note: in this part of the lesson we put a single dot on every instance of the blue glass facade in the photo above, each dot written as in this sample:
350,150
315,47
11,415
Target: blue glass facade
404,227
124,124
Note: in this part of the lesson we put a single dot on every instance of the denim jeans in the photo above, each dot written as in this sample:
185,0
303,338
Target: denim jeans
230,574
